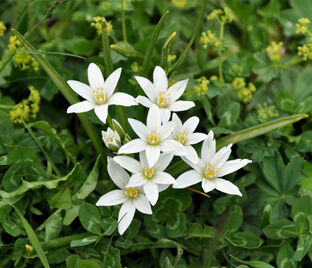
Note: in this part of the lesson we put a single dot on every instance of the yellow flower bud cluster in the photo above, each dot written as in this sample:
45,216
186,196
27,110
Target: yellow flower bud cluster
26,108
2,28
208,38
97,23
135,68
179,3
171,58
201,86
23,59
244,92
266,112
305,51
223,16
274,51
302,26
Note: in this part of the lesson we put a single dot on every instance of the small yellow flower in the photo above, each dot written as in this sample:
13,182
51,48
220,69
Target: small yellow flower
223,16
238,83
305,51
171,58
13,42
215,14
201,86
213,78
29,249
179,3
208,38
302,26
266,112
2,28
274,51
243,93
97,23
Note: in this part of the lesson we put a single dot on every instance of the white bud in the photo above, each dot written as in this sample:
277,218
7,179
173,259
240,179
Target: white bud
111,139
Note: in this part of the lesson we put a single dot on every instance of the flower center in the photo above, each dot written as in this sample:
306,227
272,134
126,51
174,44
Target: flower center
149,172
163,99
99,95
153,138
109,138
210,172
131,192
181,137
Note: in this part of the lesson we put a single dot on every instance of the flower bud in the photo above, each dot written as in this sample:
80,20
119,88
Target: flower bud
111,139
119,129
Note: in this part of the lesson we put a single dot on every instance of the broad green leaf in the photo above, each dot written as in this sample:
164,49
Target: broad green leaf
244,239
273,170
62,199
256,264
90,218
284,257
176,225
259,130
196,230
87,263
303,204
284,100
71,261
230,116
303,8
304,245
281,229
72,213
109,225
293,174
53,225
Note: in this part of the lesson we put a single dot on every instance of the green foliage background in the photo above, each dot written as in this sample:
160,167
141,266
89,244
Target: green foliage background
53,170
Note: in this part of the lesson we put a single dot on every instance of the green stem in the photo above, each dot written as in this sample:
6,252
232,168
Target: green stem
107,55
220,53
9,107
63,241
292,62
31,133
123,21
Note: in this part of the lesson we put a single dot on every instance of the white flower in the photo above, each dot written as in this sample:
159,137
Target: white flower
211,167
184,134
159,94
153,138
146,176
131,198
99,95
111,139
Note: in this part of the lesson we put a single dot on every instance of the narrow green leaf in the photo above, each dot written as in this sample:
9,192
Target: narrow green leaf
34,52
33,239
256,264
259,130
127,52
107,55
66,91
83,241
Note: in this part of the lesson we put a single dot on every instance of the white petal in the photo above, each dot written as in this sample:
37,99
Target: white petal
142,204
179,106
101,112
165,115
191,154
136,180
226,187
152,154
111,82
208,185
172,146
233,165
147,87
122,99
196,138
134,146
143,160
81,107
178,124
81,89
163,178
153,121
144,101
165,130
191,124
163,187
125,216
118,175
95,77
163,161
128,163
177,89
221,156
151,192
208,148
199,166
160,79
139,128
112,198
187,179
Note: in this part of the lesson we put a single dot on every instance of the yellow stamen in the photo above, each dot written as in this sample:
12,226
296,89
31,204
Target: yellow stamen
131,192
153,138
181,137
210,172
149,172
99,95
163,99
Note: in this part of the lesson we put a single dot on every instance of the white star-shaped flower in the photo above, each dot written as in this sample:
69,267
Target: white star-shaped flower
111,139
99,95
153,138
210,168
165,98
146,176
184,134
131,198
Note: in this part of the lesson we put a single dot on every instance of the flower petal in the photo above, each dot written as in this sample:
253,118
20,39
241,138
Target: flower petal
195,138
172,146
165,115
111,82
133,146
179,106
81,89
191,124
208,185
165,130
191,154
187,179
118,175
81,107
160,79
163,187
147,87
177,89
163,178
221,156
141,204
95,77
122,99
139,128
136,180
226,187
128,163
199,166
153,121
163,161
208,148
144,101
143,160
152,154
151,192
177,122
112,198
101,112
232,165
125,216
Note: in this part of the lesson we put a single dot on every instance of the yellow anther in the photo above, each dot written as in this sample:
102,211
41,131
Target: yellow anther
99,95
181,137
149,172
131,192
153,138
209,172
163,99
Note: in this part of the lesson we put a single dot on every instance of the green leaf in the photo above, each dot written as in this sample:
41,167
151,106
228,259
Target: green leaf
259,130
256,264
244,239
53,225
90,218
273,170
83,241
284,257
87,263
230,116
293,174
303,204
284,100
62,199
266,216
303,8
196,230
127,52
281,229
304,245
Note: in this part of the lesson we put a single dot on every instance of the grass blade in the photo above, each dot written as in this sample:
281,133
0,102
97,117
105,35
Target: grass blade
107,55
127,52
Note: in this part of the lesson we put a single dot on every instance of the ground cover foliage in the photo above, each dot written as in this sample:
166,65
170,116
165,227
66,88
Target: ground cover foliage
249,70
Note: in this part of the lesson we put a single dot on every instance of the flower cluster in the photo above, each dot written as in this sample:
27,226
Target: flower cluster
97,23
244,92
26,108
223,16
304,51
179,3
274,51
266,112
302,26
201,86
162,137
208,38
2,28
